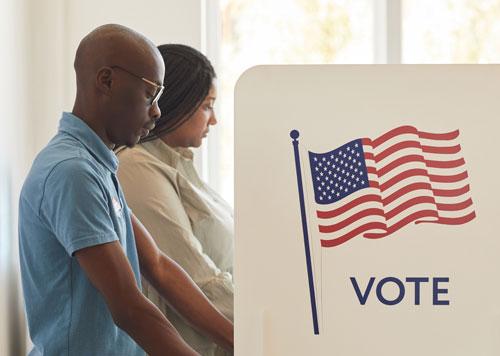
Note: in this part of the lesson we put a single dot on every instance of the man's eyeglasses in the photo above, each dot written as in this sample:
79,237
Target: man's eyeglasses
158,88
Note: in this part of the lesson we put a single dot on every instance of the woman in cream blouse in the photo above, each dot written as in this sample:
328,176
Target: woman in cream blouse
189,221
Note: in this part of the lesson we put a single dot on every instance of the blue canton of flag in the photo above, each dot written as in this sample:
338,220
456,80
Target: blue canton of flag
338,173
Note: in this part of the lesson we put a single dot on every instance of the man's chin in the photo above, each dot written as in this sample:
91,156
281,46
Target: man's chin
133,142
130,144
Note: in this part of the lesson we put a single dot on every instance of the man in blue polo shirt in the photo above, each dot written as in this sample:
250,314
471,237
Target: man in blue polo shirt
82,251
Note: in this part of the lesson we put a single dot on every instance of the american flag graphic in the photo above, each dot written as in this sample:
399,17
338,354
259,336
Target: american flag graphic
373,188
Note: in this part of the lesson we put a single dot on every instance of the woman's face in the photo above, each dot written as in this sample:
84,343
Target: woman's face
194,129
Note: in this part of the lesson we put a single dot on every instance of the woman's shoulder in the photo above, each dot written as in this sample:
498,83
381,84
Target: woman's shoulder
138,152
138,157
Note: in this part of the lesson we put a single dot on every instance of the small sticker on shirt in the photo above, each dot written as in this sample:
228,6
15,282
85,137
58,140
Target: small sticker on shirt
116,205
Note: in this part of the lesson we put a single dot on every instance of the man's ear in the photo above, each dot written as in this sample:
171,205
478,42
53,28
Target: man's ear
104,80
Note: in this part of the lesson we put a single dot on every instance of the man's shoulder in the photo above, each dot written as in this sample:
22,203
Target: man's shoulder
64,153
63,159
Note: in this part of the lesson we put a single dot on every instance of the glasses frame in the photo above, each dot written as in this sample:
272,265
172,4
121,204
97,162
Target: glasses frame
159,88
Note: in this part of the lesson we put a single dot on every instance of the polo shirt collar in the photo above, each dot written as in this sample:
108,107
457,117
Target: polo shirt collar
76,127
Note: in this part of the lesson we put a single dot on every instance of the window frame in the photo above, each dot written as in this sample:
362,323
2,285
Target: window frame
387,50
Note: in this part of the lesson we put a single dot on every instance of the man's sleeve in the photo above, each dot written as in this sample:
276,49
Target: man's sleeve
75,206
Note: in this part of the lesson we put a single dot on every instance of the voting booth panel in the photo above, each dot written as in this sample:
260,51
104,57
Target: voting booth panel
366,210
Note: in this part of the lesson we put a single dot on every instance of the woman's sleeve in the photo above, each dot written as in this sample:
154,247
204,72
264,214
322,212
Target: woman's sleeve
155,199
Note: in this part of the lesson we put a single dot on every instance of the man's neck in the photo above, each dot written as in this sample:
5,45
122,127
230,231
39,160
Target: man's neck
94,124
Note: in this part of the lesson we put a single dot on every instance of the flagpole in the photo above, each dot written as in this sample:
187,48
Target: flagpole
294,134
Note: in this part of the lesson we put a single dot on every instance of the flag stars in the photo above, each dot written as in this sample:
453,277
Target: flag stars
338,173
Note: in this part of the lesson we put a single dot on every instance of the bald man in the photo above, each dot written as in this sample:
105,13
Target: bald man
82,250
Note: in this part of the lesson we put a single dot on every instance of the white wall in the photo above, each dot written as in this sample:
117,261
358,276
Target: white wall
14,95
39,39
59,25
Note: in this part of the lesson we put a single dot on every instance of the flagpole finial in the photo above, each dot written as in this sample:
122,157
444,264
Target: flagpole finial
294,134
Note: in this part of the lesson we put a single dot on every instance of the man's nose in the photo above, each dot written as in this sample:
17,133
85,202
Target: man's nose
155,111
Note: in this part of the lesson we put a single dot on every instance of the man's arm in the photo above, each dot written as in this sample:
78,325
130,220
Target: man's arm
109,271
175,285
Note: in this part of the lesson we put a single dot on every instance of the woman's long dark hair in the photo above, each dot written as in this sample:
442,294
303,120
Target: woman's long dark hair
188,78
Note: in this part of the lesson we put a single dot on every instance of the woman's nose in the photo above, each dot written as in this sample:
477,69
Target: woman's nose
212,120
